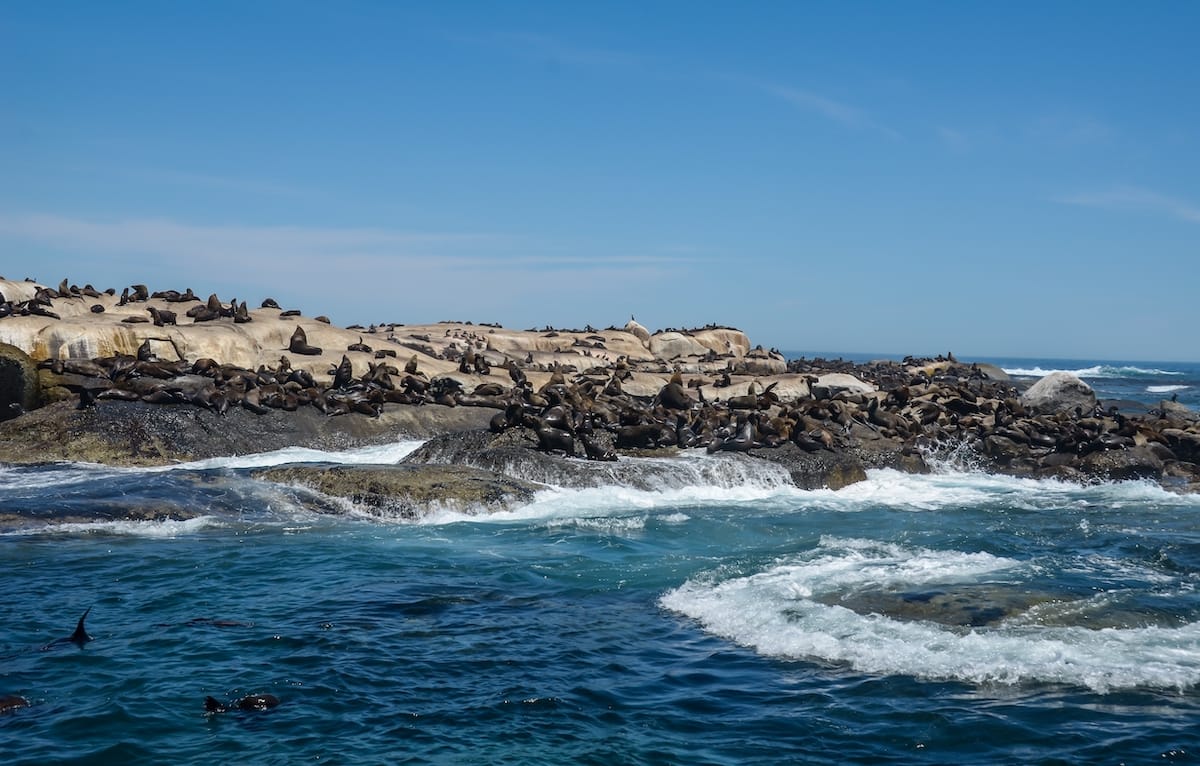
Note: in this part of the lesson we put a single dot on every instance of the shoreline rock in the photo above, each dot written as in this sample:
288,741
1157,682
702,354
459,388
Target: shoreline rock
125,390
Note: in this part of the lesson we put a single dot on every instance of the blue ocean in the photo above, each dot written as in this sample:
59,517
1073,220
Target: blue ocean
724,617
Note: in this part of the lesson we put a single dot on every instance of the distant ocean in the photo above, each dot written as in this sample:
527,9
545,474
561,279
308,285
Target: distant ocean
725,618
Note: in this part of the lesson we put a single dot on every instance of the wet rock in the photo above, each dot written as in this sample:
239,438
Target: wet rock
962,606
1003,450
136,433
816,470
408,491
1121,465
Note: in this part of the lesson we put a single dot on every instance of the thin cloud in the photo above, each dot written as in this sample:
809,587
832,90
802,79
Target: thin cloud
953,139
823,106
1071,129
249,185
151,236
1135,198
552,50
240,245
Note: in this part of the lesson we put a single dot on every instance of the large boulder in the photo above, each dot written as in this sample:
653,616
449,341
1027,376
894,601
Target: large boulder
635,329
759,365
723,340
669,345
834,383
1059,392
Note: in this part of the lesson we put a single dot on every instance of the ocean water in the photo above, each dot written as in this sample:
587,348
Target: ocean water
723,618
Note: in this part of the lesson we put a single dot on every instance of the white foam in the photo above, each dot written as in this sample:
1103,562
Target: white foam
1165,389
611,525
773,613
28,478
167,528
59,475
1095,371
621,501
379,454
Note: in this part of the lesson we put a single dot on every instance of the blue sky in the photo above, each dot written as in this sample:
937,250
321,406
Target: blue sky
1009,179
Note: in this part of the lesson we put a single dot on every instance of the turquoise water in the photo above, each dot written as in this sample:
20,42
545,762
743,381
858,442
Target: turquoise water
723,619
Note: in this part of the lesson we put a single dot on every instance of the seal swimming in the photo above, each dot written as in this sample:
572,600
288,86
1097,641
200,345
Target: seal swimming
12,702
251,702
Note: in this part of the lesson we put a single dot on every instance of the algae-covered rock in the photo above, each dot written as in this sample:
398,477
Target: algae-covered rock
408,491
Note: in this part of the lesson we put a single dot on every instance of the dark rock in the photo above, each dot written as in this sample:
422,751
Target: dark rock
816,470
19,387
1179,412
1124,464
1004,450
1185,444
136,433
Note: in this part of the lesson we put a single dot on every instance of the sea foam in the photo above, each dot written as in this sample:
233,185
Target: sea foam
774,612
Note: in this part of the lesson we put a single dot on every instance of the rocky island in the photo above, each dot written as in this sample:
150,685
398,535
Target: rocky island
151,377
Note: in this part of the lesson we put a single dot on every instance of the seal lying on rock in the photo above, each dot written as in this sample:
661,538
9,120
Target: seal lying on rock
299,344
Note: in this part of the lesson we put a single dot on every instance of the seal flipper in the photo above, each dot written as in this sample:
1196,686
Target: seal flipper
212,705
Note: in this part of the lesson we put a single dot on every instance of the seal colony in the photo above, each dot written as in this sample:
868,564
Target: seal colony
591,394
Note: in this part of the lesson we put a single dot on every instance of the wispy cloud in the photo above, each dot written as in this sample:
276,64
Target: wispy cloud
953,139
223,183
164,237
1135,198
1070,129
303,245
553,50
823,106
491,275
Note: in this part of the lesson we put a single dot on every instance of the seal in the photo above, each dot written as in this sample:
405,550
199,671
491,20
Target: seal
249,703
12,702
299,344
161,316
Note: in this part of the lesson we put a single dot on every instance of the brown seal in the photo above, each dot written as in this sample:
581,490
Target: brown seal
299,344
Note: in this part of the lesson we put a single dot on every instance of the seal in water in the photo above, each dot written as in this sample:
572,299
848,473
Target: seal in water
79,637
251,702
12,702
